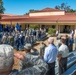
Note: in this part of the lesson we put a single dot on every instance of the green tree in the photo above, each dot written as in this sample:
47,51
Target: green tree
2,9
71,10
31,10
63,6
57,7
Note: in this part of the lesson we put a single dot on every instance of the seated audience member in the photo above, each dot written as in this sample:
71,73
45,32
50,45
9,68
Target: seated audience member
30,63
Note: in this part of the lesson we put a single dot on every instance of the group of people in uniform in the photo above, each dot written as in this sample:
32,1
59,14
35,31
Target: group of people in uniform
32,63
18,39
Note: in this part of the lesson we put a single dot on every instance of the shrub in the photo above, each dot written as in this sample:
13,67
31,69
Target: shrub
33,26
51,31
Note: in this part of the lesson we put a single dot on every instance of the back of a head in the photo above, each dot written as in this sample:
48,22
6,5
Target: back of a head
62,40
28,47
50,40
6,59
66,36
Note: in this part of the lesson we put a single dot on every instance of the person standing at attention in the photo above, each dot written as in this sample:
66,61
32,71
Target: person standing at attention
62,57
42,49
70,44
50,55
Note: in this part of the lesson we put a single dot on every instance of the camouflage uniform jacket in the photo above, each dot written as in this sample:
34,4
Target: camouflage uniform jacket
33,65
13,73
42,49
4,39
11,40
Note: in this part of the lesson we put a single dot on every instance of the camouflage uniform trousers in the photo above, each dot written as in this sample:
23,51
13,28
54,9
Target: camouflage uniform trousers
33,65
35,70
28,71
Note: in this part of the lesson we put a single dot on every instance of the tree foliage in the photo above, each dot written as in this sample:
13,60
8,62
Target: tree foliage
33,27
31,10
51,31
65,6
2,9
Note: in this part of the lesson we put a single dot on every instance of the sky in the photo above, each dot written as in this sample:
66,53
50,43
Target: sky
21,7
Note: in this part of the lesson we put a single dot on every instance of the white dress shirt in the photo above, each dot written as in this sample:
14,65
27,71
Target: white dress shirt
63,49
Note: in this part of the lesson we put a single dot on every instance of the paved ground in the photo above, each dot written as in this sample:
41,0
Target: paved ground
37,46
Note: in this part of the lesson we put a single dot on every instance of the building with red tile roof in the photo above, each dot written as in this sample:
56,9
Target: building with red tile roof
48,17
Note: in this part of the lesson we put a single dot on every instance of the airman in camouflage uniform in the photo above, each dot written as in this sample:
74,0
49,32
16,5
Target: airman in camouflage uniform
32,64
27,38
4,39
11,40
6,59
42,49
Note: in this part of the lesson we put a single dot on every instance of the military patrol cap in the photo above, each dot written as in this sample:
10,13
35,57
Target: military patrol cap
28,46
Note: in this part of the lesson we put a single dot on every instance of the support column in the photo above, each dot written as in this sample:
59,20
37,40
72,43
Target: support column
27,26
40,27
75,30
75,38
57,27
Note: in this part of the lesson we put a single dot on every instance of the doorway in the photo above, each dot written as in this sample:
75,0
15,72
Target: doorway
66,29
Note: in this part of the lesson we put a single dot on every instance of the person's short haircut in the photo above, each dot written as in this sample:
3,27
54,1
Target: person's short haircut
59,37
28,46
6,58
51,40
62,40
